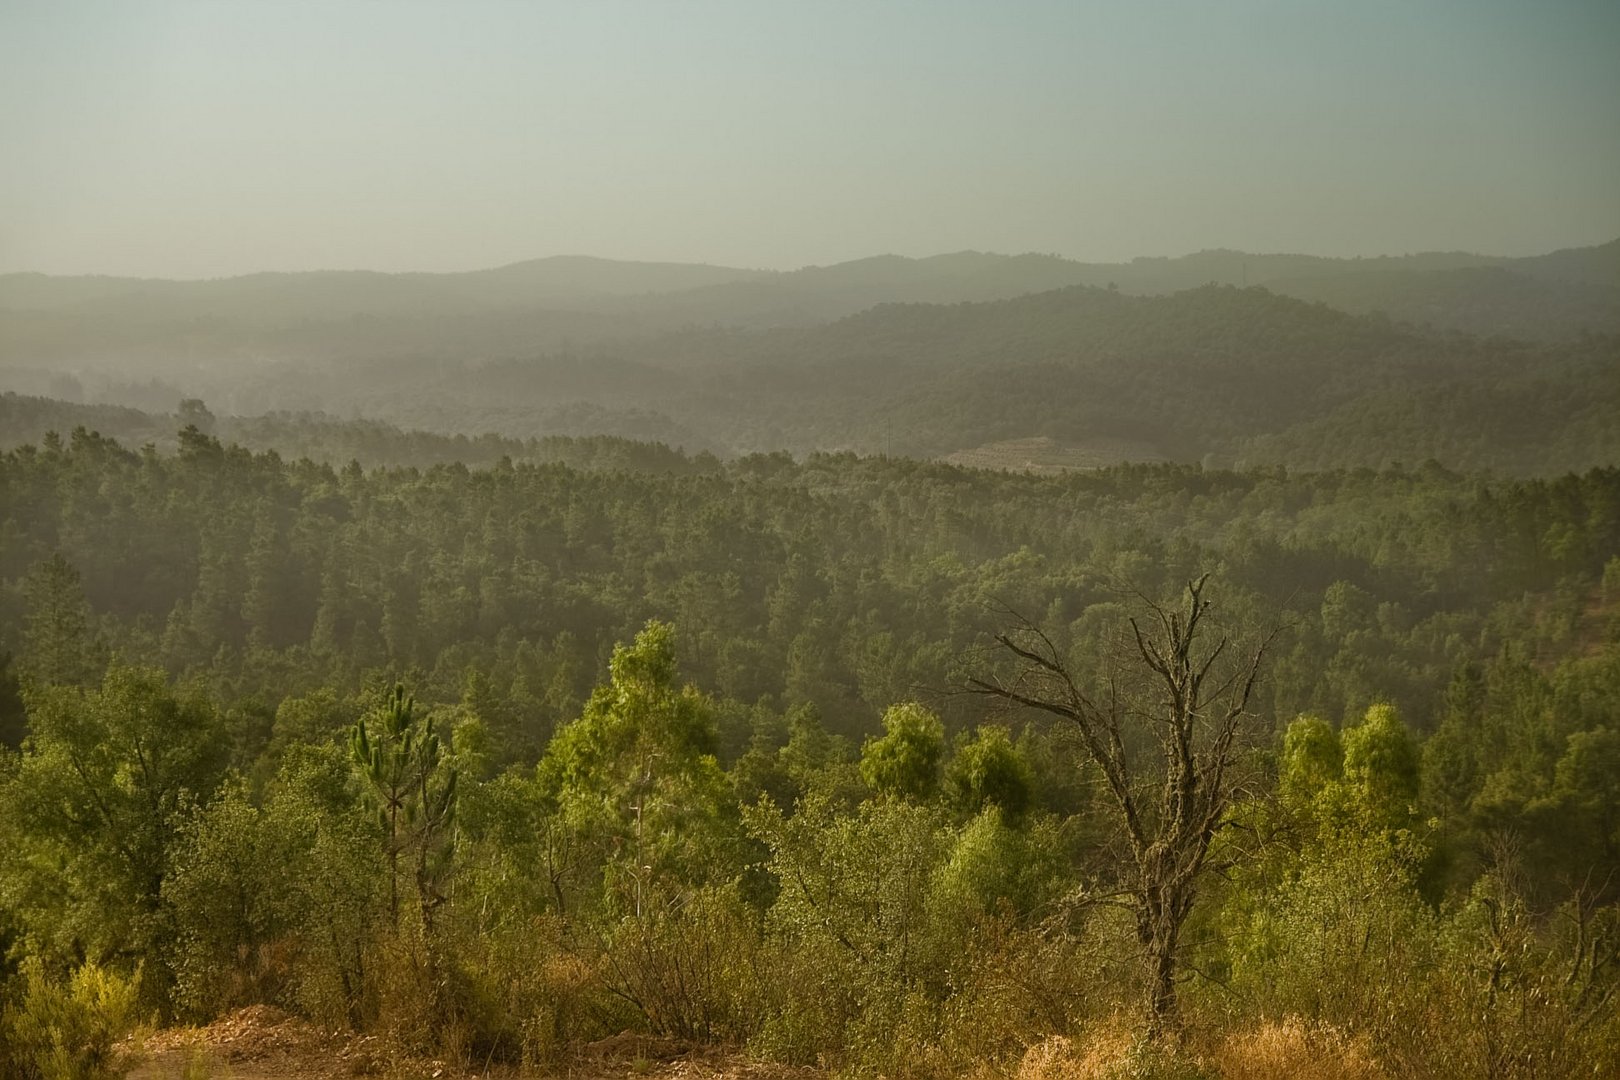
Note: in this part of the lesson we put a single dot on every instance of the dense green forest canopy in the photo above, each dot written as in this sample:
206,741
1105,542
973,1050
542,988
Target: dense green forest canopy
214,557
500,758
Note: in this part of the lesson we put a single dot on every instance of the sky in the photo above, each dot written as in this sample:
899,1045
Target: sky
214,138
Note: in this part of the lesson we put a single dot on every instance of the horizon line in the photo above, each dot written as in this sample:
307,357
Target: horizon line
561,256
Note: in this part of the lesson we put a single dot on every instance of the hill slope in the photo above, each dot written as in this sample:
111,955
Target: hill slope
100,323
1216,373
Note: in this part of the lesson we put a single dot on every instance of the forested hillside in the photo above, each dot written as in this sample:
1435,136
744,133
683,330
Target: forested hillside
467,666
499,760
327,439
86,319
1062,541
1219,374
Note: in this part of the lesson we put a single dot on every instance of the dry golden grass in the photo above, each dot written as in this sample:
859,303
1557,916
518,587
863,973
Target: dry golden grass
1288,1050
1105,1055
1292,1050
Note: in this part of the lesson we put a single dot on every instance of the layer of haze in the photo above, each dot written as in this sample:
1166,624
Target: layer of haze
202,139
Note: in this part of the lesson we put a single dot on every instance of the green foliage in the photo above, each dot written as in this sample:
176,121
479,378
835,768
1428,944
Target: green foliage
904,762
399,761
94,799
1381,767
637,779
988,770
70,1030
274,904
309,719
1584,792
1515,996
851,923
692,966
1343,938
1312,759
334,886
13,713
1481,988
58,639
228,894
599,844
995,869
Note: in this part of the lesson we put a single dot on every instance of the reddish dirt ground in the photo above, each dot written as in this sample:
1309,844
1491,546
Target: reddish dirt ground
262,1043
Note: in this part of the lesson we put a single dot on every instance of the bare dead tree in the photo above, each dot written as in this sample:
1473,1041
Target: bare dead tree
1172,803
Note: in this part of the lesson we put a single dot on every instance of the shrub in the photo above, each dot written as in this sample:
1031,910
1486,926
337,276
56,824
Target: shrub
850,927
1109,1052
1345,940
1012,983
690,966
70,1031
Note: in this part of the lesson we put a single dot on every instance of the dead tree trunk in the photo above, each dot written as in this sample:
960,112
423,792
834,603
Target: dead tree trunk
1171,805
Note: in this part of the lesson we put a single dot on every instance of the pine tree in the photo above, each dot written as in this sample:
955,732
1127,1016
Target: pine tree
58,650
399,758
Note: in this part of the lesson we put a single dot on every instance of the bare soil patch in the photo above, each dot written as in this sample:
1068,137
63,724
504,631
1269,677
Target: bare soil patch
1046,456
263,1043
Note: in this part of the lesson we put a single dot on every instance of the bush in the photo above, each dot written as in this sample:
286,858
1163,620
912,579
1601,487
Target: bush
851,935
1109,1052
1510,1000
1345,940
228,893
70,1031
1013,983
690,966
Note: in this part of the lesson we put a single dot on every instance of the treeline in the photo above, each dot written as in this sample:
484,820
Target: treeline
678,750
842,581
1229,376
28,420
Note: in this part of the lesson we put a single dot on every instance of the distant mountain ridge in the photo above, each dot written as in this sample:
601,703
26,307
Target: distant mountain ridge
1217,373
1560,294
557,280
1505,364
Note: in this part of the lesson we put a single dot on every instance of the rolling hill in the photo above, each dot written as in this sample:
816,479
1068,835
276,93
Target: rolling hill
1216,373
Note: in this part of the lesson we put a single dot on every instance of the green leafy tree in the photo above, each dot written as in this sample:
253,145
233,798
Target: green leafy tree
988,770
1312,758
94,800
636,777
1365,777
904,762
1382,768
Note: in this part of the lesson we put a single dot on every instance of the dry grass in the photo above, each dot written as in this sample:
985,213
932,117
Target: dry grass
1289,1050
1292,1050
1109,1052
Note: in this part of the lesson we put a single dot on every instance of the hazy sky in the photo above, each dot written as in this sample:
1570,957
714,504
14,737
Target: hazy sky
198,139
